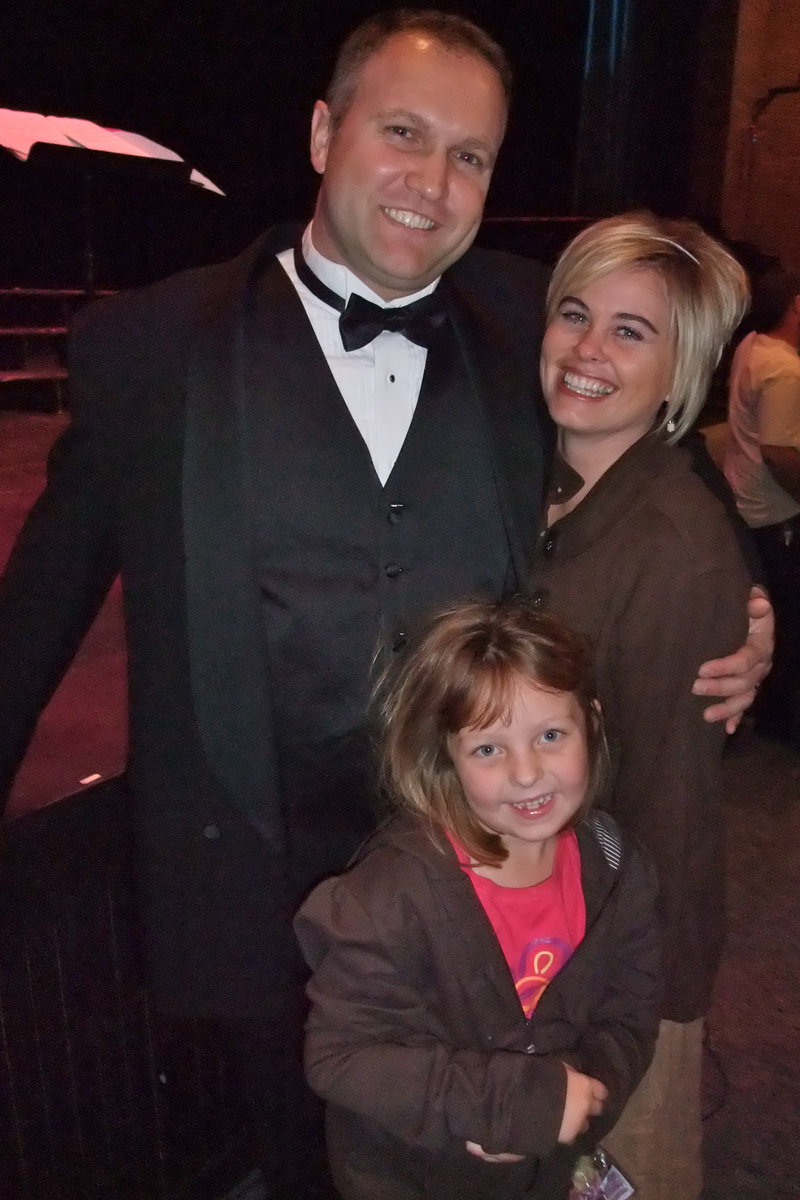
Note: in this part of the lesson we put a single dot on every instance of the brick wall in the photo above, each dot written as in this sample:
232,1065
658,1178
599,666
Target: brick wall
761,189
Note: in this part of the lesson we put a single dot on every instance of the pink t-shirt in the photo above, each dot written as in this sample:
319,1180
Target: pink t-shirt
538,927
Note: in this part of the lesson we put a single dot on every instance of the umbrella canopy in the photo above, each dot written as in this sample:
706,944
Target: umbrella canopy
21,131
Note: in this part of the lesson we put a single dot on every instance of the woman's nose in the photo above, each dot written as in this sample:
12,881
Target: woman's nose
590,345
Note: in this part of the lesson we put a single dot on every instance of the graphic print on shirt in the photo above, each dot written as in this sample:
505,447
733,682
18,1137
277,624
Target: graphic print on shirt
540,961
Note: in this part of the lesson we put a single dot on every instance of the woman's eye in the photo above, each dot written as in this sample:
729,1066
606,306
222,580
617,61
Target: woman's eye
573,315
628,333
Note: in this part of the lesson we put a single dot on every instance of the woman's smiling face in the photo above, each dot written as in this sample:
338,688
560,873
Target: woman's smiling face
607,356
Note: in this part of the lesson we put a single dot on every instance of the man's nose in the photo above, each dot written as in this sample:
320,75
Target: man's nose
428,175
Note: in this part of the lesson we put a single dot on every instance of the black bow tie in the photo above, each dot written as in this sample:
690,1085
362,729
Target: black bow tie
360,321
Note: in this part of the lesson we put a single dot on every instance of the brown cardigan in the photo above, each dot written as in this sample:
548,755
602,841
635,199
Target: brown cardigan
647,566
416,1038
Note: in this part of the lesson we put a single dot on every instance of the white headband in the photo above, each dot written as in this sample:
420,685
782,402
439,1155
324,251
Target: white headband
677,246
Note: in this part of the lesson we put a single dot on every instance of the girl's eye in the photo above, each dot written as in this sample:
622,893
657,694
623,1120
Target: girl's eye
487,751
551,735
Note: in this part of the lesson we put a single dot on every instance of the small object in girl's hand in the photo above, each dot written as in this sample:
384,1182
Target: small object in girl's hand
597,1177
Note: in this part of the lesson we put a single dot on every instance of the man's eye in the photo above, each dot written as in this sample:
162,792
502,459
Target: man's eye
472,160
399,131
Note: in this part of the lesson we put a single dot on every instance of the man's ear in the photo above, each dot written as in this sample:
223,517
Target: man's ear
321,132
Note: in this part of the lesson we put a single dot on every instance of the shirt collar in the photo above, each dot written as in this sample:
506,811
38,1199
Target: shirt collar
565,482
340,279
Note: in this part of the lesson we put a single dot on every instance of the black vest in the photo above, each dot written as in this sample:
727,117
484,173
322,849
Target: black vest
348,568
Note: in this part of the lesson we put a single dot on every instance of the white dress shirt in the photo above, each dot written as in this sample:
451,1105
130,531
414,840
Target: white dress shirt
380,383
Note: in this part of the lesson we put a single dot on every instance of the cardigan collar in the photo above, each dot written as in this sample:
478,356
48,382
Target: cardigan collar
619,490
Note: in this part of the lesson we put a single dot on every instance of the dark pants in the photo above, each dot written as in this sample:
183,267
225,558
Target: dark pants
777,707
281,1119
237,1118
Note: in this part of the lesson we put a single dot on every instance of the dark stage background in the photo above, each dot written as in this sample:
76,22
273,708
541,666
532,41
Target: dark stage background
604,115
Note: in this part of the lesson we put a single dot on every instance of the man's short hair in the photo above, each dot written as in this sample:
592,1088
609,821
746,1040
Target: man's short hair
773,292
453,32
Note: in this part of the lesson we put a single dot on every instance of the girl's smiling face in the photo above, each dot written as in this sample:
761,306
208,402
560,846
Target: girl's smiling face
526,775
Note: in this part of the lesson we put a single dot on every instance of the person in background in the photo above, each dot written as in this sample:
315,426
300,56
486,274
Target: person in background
486,976
642,559
762,465
290,459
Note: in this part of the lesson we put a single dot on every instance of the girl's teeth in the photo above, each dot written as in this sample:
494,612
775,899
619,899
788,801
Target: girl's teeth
532,805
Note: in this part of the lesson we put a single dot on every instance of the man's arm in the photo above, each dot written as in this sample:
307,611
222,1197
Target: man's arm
736,677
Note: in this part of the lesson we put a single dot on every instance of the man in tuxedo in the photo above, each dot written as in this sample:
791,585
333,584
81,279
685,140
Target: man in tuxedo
284,498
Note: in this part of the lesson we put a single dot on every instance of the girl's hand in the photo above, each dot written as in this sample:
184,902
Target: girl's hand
479,1152
585,1098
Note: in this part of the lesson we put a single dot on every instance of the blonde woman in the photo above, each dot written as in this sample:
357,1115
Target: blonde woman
639,556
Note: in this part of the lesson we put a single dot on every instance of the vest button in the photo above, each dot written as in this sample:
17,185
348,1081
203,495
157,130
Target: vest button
549,542
395,513
399,641
212,832
393,570
539,599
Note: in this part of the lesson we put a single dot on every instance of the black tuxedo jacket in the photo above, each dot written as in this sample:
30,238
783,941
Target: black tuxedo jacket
151,480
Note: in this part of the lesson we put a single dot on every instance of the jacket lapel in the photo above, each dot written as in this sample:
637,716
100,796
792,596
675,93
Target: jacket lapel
499,330
228,669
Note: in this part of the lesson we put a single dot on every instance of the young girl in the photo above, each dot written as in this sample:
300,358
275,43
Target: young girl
486,974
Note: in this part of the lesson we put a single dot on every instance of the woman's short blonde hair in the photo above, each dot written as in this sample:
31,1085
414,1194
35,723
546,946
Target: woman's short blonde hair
464,673
707,294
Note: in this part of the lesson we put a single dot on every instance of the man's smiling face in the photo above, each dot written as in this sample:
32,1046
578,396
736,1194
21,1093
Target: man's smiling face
406,170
